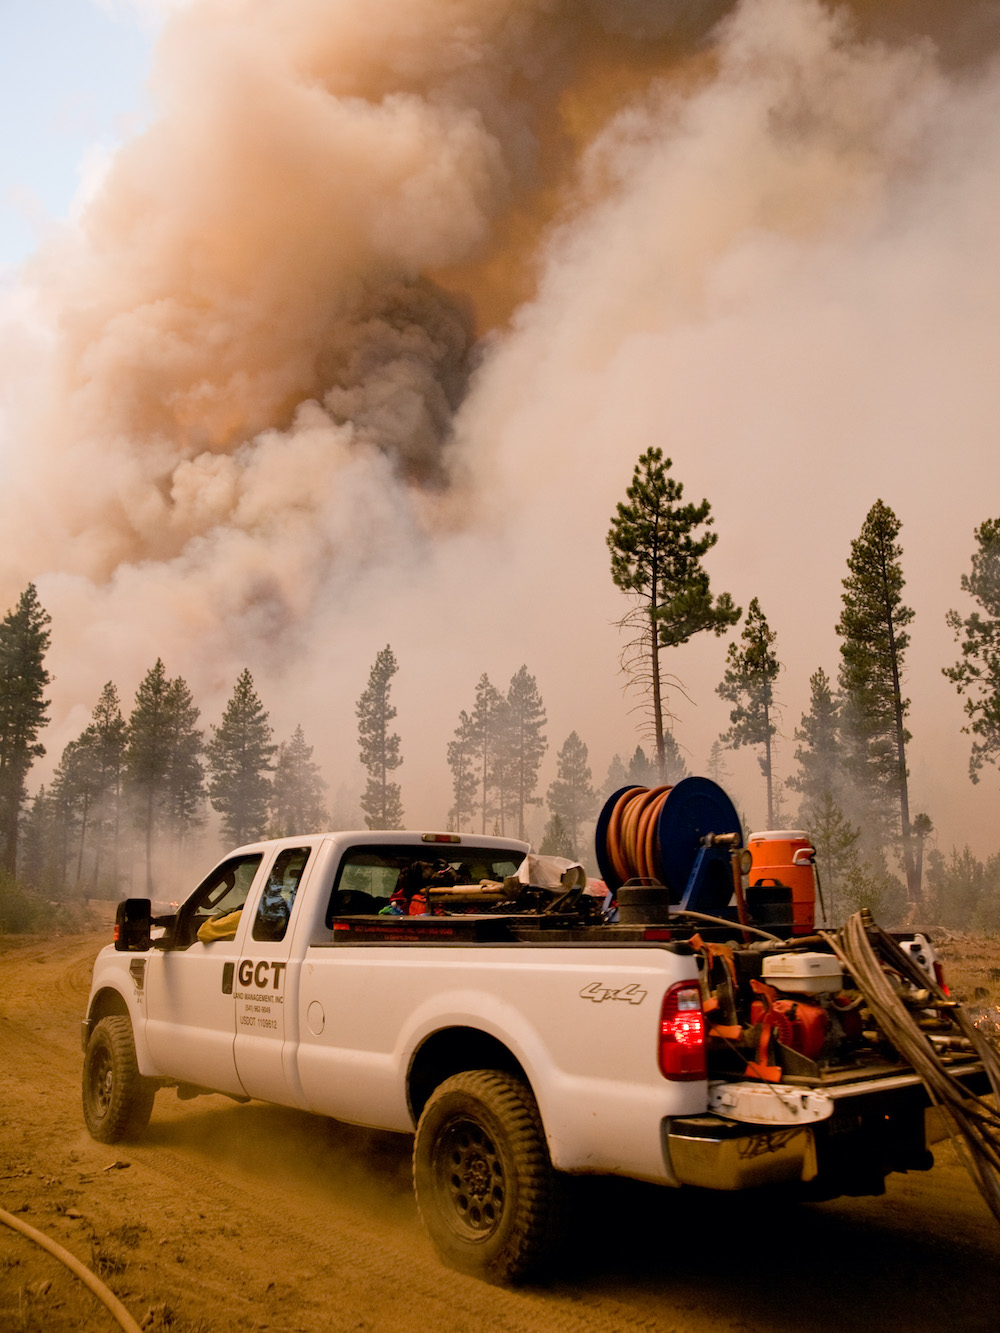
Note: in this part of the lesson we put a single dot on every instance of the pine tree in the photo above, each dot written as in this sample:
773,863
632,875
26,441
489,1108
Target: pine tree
24,641
147,755
715,765
556,840
54,814
239,761
820,783
617,777
977,674
874,642
964,892
76,783
819,753
42,847
297,789
484,734
503,769
184,793
921,828
868,882
110,734
461,761
571,796
835,840
748,684
526,743
641,771
674,765
86,791
656,560
379,746
163,772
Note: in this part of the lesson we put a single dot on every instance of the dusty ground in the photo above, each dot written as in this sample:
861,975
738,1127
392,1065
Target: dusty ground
229,1218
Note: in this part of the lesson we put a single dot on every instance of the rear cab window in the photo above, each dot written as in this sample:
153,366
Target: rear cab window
369,875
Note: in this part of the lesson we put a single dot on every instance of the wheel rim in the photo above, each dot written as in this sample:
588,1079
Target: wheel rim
470,1179
102,1081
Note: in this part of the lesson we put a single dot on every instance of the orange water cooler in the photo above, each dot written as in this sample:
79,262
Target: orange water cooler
786,857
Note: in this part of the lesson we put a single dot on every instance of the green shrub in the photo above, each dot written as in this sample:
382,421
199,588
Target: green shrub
21,910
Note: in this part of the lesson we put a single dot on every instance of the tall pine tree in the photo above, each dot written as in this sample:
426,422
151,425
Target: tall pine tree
110,734
976,675
819,753
748,684
527,744
715,764
380,746
571,796
657,545
820,784
464,784
239,762
184,795
163,772
44,849
24,641
297,789
479,756
75,784
872,628
616,777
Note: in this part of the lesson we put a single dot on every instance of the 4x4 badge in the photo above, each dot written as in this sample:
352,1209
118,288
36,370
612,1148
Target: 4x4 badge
633,993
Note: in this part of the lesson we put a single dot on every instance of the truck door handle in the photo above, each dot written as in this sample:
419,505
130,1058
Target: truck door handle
227,978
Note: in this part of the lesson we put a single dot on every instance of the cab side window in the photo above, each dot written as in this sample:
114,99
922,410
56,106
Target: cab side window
275,908
224,892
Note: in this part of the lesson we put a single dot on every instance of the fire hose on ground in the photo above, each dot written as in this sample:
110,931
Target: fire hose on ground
89,1279
974,1125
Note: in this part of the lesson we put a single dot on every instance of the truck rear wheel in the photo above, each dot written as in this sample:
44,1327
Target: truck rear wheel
117,1100
486,1189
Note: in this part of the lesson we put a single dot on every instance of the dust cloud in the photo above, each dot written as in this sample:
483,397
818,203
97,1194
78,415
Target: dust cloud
359,341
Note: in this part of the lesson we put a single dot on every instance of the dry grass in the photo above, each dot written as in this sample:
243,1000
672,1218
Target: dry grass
971,965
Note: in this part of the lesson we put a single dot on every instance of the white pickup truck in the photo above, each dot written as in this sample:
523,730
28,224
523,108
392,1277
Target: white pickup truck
411,982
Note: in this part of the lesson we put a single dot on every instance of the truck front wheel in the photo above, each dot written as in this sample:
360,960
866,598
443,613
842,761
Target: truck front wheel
485,1186
117,1100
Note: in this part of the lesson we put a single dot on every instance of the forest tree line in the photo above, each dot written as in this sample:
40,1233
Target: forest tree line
131,784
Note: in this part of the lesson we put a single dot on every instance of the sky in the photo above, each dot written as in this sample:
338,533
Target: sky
326,326
72,79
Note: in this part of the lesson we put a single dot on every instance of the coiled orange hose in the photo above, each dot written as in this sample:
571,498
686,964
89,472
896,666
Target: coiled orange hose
631,837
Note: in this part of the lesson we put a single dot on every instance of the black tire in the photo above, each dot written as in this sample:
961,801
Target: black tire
117,1100
486,1189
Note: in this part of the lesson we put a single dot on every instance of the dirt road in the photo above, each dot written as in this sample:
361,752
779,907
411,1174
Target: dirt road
234,1218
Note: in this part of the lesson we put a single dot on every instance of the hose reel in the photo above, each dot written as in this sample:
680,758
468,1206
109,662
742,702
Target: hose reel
668,845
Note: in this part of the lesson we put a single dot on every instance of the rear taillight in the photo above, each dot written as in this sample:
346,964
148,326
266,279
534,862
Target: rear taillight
682,1034
939,977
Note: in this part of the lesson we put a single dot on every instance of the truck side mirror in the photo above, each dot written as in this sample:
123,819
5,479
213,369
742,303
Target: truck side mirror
132,924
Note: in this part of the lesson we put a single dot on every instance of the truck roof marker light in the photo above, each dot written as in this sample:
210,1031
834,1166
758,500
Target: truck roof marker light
682,1034
440,837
